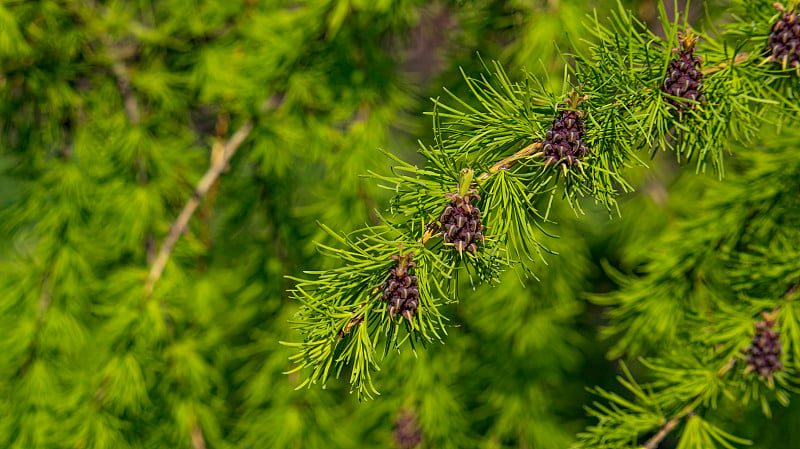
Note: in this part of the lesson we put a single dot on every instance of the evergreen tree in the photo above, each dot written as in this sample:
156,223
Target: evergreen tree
163,168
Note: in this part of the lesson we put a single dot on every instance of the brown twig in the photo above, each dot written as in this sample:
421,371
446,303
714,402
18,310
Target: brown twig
429,232
179,226
792,291
198,441
529,151
124,84
740,58
44,299
668,427
728,365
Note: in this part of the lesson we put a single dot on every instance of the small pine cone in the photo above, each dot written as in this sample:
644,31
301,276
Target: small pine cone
684,78
407,433
764,353
461,222
783,46
563,142
401,288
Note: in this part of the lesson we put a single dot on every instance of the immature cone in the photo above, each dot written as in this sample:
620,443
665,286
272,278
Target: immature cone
461,222
401,289
684,78
407,433
563,142
764,353
783,46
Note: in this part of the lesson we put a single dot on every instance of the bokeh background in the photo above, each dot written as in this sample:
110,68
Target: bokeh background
110,113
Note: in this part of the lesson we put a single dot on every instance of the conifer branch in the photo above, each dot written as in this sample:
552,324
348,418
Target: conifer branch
628,103
200,191
503,164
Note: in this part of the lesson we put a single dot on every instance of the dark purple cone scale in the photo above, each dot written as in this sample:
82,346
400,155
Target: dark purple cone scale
461,222
401,289
684,78
783,46
407,433
764,353
563,142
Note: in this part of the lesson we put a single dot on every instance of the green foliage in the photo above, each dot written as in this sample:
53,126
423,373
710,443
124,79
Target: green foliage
112,112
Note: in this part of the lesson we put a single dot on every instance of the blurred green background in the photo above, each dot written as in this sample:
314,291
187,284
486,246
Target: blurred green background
111,111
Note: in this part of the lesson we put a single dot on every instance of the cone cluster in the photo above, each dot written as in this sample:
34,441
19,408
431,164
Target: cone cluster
401,289
563,142
684,78
407,433
764,353
461,222
783,46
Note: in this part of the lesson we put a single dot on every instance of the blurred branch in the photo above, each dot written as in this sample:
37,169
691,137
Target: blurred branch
116,53
45,299
120,71
198,442
218,165
179,226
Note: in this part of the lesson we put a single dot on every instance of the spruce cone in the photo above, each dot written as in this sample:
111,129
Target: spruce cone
684,78
764,353
401,290
783,46
563,142
461,221
407,433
